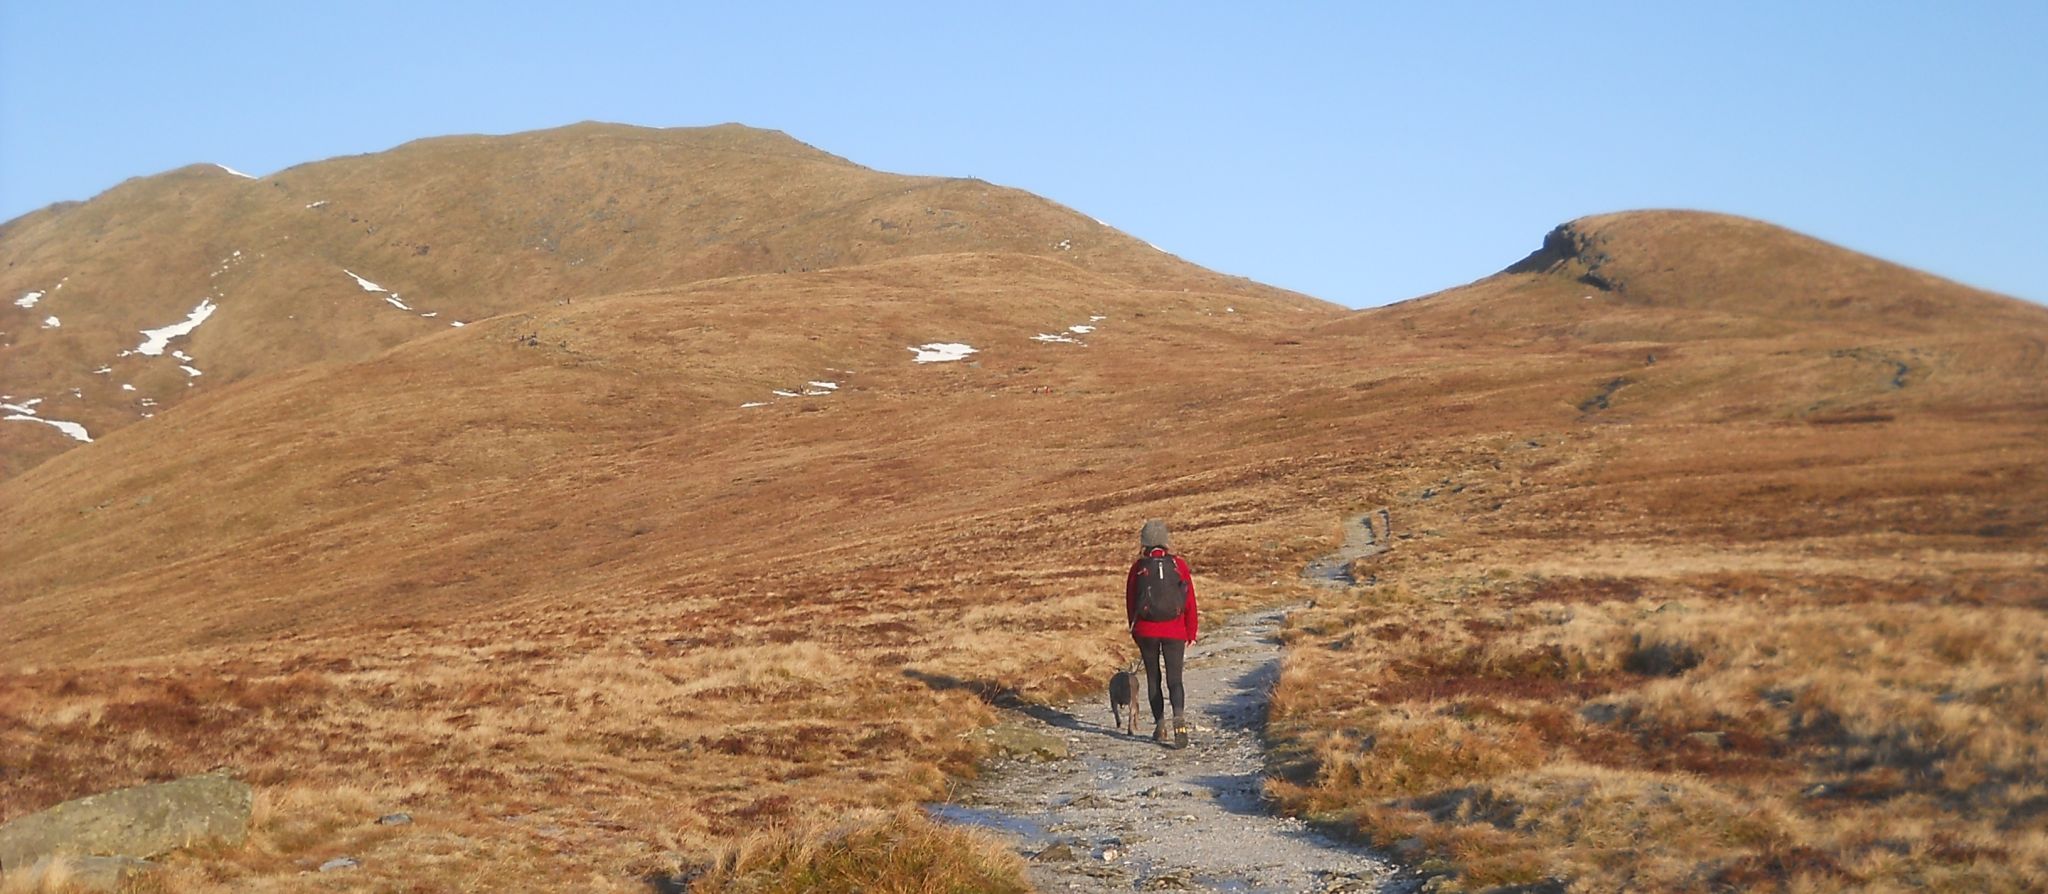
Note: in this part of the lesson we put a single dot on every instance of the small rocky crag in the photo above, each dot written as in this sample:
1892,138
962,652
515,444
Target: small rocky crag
101,840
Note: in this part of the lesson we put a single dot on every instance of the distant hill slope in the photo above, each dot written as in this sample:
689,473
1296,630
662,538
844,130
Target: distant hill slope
732,418
1770,323
1682,274
269,505
341,259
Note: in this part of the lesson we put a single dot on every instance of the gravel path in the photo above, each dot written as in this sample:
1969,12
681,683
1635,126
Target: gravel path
1124,814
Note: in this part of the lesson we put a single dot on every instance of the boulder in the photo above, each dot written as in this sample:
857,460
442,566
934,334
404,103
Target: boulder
139,822
1026,742
95,874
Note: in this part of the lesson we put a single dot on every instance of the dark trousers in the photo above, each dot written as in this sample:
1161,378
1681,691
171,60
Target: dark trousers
1175,652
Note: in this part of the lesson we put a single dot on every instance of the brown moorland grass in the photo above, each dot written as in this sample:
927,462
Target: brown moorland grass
462,228
897,853
1643,653
590,622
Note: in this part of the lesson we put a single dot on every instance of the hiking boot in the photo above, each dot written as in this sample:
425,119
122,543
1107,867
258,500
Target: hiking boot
1180,732
1159,730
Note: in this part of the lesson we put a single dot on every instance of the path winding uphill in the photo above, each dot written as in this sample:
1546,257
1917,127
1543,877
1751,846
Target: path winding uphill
1122,813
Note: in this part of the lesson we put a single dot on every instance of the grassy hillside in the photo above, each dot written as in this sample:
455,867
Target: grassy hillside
339,260
1699,581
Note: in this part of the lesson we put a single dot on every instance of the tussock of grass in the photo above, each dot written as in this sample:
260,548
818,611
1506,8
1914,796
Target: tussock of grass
1810,746
881,853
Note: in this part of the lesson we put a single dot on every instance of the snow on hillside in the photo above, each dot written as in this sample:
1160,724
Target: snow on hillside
812,388
26,412
391,297
1067,338
367,285
28,300
940,352
234,172
156,340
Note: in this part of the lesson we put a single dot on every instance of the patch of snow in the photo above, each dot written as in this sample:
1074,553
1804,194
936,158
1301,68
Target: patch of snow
1097,318
127,387
752,404
320,204
431,315
233,171
940,352
189,370
1055,338
104,370
52,322
1230,310
458,324
181,355
28,406
828,386
392,299
149,401
1066,245
149,415
76,431
779,393
367,285
1080,330
158,339
29,299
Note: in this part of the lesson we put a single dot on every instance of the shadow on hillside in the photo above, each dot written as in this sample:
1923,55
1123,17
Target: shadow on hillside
1006,697
668,882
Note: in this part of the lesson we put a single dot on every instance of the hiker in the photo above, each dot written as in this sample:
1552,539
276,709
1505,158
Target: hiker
1159,604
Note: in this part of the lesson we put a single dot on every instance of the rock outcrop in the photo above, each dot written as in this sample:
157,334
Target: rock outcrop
137,823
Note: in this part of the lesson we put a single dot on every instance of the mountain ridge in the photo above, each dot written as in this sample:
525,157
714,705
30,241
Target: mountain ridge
343,258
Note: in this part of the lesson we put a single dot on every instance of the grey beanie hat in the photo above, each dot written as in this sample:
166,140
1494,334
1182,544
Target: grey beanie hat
1153,534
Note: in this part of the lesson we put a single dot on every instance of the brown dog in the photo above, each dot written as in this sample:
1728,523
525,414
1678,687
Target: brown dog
1126,689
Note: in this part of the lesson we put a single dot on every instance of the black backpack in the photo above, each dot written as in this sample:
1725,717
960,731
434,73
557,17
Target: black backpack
1161,591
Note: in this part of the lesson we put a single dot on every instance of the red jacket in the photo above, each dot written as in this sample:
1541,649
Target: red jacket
1183,628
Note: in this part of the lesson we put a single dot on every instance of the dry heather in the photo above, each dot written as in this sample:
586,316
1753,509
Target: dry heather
1699,691
899,853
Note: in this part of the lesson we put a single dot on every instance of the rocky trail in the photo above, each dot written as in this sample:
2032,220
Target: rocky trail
1098,810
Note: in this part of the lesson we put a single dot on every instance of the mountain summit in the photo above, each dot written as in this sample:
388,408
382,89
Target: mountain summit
341,259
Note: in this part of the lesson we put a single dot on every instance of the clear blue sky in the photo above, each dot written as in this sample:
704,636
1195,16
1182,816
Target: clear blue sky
1363,153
